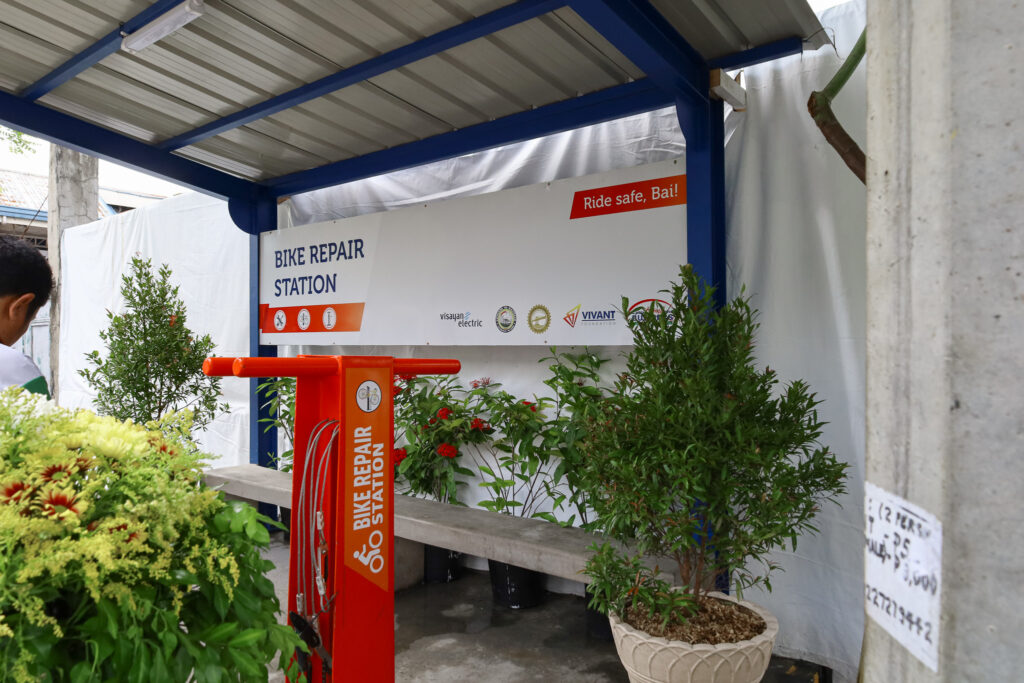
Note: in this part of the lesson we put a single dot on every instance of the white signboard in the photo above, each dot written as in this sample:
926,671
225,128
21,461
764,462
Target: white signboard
546,264
903,571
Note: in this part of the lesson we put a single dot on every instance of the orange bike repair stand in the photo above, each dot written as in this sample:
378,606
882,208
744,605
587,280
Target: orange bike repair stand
341,596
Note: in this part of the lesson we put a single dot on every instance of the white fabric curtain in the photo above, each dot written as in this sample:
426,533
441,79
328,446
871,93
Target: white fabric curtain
209,260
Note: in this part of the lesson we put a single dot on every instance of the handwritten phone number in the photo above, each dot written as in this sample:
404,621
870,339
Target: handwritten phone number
886,604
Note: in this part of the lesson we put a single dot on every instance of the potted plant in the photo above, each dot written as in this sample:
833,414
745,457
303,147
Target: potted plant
116,563
433,420
703,462
515,468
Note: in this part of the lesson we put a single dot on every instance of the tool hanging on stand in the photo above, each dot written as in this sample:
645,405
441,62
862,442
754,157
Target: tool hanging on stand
341,575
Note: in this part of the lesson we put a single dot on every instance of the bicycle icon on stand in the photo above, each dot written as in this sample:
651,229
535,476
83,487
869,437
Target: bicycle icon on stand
371,556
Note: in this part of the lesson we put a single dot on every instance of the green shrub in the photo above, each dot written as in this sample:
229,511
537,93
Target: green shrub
117,563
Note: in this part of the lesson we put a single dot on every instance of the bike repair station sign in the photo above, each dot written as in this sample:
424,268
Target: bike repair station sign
546,264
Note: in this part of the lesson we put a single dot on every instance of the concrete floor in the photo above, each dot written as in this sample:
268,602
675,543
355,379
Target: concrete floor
453,633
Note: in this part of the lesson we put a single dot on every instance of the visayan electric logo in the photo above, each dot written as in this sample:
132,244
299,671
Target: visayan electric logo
462,319
605,316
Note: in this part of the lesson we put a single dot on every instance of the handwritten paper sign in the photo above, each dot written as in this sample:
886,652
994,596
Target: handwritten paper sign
903,571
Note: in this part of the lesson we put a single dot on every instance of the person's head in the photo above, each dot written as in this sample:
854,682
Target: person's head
25,285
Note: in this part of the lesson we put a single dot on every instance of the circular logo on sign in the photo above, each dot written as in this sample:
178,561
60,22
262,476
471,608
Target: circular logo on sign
368,396
539,319
505,318
330,318
280,320
304,319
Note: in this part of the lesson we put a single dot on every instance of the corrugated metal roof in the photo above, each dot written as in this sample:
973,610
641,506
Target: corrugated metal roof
241,53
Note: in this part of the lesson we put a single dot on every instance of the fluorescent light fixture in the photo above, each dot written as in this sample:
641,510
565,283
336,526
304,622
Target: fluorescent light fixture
164,25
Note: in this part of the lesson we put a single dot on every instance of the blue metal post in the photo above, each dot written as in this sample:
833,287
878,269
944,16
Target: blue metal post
262,441
704,130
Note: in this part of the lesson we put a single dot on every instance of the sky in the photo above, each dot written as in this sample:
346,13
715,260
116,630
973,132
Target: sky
112,175
118,177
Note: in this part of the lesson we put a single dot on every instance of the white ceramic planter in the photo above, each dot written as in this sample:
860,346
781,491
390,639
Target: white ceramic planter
649,659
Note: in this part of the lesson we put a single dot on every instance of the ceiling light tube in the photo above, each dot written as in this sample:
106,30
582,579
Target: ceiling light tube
163,26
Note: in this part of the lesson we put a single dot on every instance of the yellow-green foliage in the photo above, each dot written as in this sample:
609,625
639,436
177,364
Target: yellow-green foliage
115,560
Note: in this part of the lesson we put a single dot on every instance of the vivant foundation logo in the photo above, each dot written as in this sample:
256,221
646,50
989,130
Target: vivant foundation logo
573,314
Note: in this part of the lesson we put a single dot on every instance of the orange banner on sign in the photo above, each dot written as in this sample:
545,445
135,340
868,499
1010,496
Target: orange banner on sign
368,473
313,318
646,194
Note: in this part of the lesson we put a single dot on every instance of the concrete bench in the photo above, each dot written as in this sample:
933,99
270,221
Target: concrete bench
528,543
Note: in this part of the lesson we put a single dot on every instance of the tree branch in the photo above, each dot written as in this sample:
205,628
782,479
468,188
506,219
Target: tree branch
820,107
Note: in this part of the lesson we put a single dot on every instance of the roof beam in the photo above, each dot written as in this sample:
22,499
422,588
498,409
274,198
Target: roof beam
95,53
89,138
612,103
648,40
761,53
479,27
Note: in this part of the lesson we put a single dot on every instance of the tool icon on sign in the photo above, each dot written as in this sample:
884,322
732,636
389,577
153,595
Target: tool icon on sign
368,396
280,320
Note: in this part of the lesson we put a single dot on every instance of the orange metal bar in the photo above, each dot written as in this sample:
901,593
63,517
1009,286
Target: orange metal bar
286,367
426,366
218,367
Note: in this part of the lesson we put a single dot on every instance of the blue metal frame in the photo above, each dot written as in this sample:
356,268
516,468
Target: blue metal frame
604,105
704,130
263,442
675,72
479,27
82,136
92,55
643,35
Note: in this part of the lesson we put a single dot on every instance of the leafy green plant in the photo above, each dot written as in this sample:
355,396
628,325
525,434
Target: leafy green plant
700,457
514,463
116,563
576,383
154,363
433,422
278,396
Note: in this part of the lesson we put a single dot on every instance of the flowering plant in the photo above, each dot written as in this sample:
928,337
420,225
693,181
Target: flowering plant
116,563
515,462
434,421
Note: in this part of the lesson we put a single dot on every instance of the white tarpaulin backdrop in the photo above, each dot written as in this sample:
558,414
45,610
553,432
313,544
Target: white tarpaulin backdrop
796,225
209,260
541,265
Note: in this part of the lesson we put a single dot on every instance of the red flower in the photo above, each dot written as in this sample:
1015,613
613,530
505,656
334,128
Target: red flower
174,319
444,413
446,450
478,424
530,405
57,502
432,421
56,473
13,493
399,455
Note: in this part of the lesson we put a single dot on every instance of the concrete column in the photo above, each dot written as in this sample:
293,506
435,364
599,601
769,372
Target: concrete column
73,200
945,371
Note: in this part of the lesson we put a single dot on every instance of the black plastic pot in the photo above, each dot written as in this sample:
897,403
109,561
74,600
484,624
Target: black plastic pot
598,626
440,565
515,587
286,520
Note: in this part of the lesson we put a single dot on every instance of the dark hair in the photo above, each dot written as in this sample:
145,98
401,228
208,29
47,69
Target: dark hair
24,270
